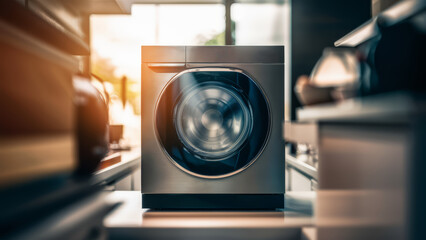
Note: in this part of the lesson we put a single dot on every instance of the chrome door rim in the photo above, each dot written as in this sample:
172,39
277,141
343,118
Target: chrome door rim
214,69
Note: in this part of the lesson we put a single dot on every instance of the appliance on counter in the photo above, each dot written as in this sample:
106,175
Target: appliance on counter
335,77
91,110
339,70
390,49
383,55
211,127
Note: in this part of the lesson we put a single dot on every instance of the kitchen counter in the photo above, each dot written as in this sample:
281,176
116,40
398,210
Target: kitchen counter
130,221
371,161
129,161
395,107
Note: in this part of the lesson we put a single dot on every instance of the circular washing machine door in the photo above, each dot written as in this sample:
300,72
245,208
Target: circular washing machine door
212,123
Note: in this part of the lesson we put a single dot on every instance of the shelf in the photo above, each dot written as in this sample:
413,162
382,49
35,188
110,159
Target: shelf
59,13
397,107
28,21
22,40
103,6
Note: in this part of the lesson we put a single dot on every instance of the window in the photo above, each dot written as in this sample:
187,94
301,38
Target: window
116,39
256,24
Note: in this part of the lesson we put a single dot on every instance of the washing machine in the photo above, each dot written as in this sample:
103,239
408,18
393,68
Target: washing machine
212,127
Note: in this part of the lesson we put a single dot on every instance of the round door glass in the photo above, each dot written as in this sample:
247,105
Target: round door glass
213,121
205,121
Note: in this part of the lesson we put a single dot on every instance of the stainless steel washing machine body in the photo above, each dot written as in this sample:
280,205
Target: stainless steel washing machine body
212,127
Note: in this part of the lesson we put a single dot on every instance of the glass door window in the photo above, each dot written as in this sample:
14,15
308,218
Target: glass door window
212,123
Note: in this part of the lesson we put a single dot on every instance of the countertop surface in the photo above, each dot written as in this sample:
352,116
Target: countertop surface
130,221
128,162
396,107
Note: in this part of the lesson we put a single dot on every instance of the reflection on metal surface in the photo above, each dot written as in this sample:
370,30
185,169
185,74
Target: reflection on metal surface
336,68
213,121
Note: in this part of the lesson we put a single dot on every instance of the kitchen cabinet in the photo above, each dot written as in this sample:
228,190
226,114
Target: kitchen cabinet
371,152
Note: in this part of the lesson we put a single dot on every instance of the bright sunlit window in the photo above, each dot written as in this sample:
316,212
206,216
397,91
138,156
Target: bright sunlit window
116,42
116,39
259,24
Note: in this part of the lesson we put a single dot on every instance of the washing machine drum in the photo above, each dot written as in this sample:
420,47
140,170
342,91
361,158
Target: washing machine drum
212,123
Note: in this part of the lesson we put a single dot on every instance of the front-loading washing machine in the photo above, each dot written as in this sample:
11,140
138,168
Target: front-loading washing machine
212,127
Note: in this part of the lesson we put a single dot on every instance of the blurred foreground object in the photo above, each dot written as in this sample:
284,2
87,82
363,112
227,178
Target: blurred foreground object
338,69
41,128
371,148
391,49
383,55
36,97
371,166
92,126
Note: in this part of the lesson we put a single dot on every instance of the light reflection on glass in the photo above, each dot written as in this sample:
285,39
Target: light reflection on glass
212,120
